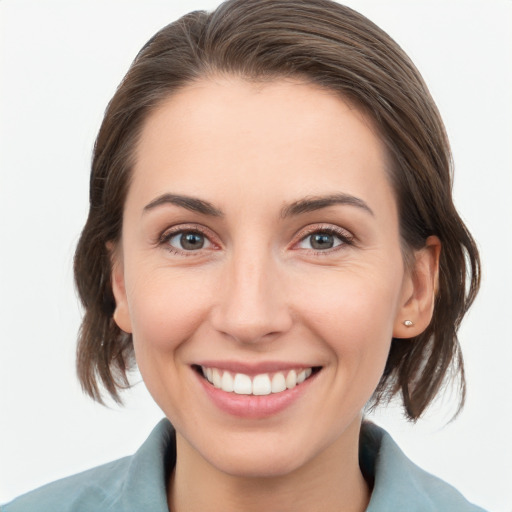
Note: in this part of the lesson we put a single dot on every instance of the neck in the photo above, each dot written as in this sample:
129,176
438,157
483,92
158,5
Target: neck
332,482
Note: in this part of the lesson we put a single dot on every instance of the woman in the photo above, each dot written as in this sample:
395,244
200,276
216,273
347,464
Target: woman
272,237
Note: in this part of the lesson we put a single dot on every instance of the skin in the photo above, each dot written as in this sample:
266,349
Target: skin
258,291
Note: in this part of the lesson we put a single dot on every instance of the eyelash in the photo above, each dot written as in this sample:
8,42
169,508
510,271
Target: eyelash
344,236
165,238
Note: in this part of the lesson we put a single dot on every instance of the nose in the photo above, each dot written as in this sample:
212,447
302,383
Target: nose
252,305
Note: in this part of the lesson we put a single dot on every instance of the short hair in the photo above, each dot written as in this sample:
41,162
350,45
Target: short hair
336,48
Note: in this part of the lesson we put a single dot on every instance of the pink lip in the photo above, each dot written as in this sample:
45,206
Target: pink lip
251,406
253,368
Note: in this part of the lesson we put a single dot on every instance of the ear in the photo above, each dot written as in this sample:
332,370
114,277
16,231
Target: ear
121,313
419,291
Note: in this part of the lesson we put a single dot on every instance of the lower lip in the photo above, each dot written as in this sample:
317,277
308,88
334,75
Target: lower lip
254,406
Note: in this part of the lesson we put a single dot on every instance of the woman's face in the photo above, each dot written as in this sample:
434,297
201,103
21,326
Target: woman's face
261,240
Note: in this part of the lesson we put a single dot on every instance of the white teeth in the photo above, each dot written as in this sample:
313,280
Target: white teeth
291,379
262,384
216,378
226,383
278,383
242,384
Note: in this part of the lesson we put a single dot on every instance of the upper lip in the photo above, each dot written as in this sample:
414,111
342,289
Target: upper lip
254,368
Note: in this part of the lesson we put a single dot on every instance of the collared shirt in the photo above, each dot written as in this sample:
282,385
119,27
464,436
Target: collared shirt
138,483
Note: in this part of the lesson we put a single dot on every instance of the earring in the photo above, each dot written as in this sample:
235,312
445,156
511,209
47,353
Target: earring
408,323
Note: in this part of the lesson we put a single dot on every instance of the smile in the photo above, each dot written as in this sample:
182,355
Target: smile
259,385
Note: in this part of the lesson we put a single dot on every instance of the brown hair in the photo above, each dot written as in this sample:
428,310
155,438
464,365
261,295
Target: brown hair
336,48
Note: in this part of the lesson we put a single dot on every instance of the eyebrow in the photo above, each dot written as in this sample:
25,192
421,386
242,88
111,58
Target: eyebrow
190,203
305,205
313,203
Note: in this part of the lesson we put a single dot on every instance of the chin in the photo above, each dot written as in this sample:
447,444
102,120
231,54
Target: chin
260,454
261,464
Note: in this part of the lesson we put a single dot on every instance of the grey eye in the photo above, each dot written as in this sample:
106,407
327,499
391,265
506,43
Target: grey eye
320,241
189,241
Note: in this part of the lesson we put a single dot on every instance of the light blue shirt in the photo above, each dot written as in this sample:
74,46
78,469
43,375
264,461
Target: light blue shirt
138,483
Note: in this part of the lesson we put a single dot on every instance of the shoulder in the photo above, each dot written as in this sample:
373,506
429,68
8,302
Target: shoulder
401,485
97,487
133,483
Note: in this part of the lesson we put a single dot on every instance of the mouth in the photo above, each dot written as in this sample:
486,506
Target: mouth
257,385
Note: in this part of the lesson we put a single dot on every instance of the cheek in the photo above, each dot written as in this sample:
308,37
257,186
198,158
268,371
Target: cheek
354,313
358,298
166,308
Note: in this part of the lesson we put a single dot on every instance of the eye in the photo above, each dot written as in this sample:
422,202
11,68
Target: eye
324,239
188,240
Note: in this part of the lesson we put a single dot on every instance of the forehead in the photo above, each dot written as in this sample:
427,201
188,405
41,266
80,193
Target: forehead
279,138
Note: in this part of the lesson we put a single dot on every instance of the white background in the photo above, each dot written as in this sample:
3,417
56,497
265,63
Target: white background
60,64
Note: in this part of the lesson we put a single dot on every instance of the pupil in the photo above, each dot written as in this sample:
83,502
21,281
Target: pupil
322,241
192,241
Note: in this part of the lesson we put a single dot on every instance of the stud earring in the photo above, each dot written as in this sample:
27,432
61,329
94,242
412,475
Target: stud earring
408,323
